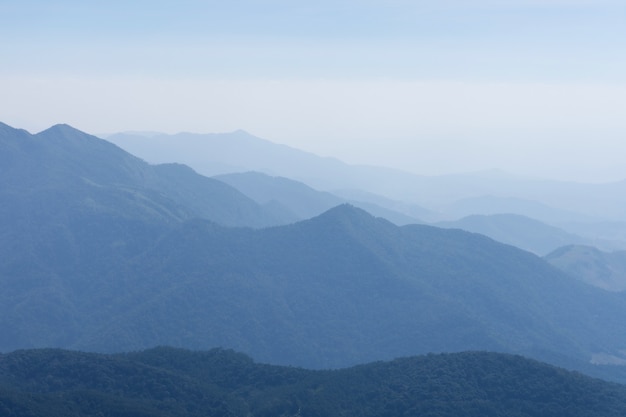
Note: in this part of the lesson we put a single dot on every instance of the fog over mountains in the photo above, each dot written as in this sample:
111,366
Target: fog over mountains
241,151
602,269
104,252
313,209
579,209
520,231
304,202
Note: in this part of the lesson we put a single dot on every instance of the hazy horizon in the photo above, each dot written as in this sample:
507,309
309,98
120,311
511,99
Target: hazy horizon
478,171
533,88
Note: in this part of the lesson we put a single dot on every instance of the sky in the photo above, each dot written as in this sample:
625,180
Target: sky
532,87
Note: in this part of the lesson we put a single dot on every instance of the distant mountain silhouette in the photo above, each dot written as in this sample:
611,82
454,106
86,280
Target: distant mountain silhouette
516,230
602,269
65,160
72,208
413,211
169,382
300,199
608,236
239,151
296,197
490,205
213,154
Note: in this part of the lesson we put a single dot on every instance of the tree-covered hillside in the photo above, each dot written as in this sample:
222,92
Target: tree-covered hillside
173,382
346,288
72,207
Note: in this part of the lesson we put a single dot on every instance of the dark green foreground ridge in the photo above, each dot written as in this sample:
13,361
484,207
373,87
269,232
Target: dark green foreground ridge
176,382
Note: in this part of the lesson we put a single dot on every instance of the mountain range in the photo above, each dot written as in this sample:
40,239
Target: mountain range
240,151
520,231
64,160
104,252
302,201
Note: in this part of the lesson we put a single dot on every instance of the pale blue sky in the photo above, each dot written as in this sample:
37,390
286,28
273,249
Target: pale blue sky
532,87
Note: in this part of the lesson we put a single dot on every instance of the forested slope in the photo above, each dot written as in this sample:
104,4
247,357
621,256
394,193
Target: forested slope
171,382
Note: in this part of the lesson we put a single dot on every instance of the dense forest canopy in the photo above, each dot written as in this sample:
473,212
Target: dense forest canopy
174,382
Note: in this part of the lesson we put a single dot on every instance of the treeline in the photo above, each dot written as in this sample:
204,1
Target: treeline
174,382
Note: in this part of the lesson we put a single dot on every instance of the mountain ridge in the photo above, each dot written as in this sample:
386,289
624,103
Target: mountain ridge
300,199
517,230
171,382
346,263
328,175
589,264
67,155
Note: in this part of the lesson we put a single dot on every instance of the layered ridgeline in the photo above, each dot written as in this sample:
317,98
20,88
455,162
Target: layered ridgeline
553,202
520,231
99,255
347,288
168,382
302,202
603,269
72,207
63,166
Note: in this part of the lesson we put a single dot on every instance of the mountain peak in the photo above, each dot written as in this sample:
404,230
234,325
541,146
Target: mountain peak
241,132
350,218
346,211
62,129
64,136
62,126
